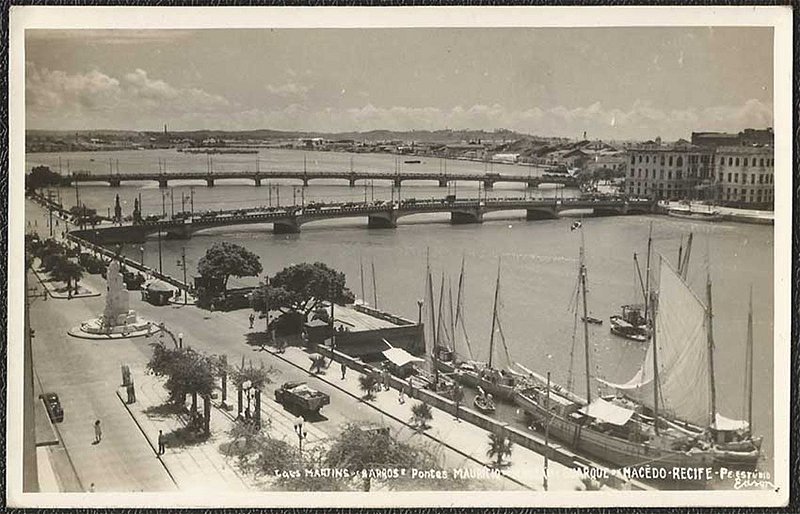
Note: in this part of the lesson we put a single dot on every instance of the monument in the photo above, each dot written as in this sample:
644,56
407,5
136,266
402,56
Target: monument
118,319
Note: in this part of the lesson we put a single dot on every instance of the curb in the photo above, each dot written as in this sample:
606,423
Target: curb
403,422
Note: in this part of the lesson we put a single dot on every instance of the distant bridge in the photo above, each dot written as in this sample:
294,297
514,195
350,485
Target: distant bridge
290,219
488,179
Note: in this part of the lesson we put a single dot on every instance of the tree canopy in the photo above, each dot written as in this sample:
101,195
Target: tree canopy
225,260
187,371
302,288
42,176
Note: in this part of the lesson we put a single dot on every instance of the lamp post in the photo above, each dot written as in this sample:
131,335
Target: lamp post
141,253
301,434
180,340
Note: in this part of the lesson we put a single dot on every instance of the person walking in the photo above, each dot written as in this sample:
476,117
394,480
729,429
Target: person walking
344,369
161,447
98,432
401,399
252,319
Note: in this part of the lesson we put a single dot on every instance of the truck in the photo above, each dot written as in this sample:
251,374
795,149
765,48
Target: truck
301,395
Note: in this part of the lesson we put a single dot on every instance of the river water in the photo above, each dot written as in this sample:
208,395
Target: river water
538,261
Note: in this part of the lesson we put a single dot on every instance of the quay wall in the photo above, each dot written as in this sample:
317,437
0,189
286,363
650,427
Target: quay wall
367,343
534,442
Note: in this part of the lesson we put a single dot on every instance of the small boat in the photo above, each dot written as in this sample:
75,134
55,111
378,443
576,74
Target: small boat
484,402
592,320
694,214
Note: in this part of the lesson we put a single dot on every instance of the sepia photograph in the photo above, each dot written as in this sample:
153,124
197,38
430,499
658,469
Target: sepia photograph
399,256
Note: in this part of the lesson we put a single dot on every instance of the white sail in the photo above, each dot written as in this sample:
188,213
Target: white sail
681,335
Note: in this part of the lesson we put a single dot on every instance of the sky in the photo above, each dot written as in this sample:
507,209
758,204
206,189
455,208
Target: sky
613,83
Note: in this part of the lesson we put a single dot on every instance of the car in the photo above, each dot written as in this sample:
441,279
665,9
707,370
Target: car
53,406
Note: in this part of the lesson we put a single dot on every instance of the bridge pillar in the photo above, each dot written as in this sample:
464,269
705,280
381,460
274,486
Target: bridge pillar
210,182
383,220
286,226
398,182
352,182
541,214
463,217
257,180
533,184
442,182
305,181
114,182
178,233
162,183
488,184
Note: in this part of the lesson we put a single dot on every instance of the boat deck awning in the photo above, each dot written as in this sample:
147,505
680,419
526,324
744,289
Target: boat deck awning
400,357
724,424
607,412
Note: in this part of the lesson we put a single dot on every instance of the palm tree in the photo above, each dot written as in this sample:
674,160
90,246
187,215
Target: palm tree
499,447
367,384
420,415
66,271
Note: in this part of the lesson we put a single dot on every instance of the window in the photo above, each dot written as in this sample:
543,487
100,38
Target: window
678,175
645,173
761,162
744,162
633,159
632,173
640,158
680,161
735,192
736,161
660,174
735,178
669,175
662,160
761,179
752,178
729,180
730,161
722,161
647,159
670,160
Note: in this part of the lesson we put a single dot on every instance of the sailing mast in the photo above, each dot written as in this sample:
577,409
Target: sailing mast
647,270
374,287
361,265
494,314
433,329
655,363
710,336
585,327
441,317
458,294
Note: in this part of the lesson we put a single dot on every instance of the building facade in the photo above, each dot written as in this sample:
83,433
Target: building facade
670,172
745,176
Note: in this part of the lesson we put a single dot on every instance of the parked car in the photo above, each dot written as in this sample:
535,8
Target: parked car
53,406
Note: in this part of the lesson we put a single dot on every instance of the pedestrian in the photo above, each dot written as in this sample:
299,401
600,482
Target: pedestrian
252,319
402,397
161,449
91,487
344,369
386,379
98,432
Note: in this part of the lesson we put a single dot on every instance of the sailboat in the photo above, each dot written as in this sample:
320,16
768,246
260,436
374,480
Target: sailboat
673,425
632,322
498,381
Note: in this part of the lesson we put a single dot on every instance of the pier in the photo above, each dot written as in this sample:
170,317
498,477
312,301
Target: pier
352,177
378,214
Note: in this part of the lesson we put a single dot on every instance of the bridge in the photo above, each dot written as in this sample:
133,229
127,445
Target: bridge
488,179
379,215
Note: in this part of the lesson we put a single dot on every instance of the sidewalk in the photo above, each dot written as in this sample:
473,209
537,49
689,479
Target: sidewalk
526,466
59,293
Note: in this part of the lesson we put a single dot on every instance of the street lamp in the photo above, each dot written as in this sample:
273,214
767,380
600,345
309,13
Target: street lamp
301,434
180,340
141,253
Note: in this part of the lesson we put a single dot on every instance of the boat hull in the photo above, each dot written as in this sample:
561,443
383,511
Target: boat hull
623,453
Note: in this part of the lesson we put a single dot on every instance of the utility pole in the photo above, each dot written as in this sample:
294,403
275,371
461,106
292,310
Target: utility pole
160,266
172,201
183,265
191,191
163,203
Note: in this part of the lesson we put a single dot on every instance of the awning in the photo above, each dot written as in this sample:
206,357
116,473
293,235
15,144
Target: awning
607,412
400,357
729,425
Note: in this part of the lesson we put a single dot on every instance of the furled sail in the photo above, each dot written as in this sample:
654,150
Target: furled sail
681,335
429,317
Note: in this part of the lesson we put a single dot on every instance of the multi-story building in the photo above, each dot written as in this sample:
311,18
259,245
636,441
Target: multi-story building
745,176
679,171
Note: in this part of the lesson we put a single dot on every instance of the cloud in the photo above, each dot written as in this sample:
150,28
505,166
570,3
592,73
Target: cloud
137,101
289,89
99,98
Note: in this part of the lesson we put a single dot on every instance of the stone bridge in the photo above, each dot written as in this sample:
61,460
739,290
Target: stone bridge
442,179
290,219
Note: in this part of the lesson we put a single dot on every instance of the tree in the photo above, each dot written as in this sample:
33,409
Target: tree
187,372
367,383
225,260
499,447
302,288
64,270
421,413
367,449
41,177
